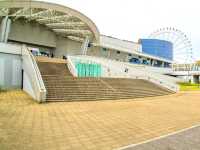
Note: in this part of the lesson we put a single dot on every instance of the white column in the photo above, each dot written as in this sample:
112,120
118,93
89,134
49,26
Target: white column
153,62
2,30
8,27
5,29
109,53
163,64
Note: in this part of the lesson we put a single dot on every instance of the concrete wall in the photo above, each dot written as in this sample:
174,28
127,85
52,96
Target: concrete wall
10,48
94,51
66,46
10,71
108,53
27,87
39,36
33,33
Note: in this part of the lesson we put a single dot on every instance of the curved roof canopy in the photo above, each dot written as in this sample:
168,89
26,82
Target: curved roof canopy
62,20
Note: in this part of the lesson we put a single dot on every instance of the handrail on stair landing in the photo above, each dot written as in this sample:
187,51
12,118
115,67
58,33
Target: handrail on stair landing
30,67
134,72
71,67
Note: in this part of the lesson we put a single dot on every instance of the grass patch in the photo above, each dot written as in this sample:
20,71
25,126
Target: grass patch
189,87
2,90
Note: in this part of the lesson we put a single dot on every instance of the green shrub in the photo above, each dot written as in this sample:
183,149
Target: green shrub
2,90
185,86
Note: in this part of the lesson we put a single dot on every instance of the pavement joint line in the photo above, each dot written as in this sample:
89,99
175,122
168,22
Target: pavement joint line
158,138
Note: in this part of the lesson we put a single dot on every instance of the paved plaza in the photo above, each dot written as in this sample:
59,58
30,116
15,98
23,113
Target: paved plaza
94,125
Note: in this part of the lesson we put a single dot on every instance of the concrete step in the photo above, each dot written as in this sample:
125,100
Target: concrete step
93,88
55,99
103,92
99,97
62,86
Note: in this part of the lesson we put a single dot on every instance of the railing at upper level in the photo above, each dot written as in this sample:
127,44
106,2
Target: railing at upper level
186,67
71,66
35,85
117,69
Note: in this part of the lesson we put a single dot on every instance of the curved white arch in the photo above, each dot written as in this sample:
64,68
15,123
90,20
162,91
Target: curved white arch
17,8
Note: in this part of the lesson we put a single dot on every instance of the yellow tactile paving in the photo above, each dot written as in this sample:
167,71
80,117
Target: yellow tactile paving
103,125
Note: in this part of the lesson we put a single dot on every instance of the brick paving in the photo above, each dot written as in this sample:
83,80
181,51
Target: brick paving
99,125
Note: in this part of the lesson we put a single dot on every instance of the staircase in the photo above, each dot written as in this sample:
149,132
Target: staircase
62,86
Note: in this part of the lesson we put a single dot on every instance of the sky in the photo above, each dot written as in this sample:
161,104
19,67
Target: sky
134,19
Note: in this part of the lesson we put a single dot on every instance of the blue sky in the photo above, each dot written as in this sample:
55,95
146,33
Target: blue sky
134,19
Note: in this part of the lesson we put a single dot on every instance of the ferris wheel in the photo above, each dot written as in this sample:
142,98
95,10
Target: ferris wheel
182,46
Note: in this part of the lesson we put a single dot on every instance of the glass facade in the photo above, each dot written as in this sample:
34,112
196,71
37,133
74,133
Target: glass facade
159,48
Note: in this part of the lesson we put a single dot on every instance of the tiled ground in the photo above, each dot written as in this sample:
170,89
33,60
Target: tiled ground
26,125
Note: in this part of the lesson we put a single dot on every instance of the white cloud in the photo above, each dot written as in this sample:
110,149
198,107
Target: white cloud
133,19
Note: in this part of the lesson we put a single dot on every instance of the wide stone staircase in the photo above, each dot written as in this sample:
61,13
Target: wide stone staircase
62,86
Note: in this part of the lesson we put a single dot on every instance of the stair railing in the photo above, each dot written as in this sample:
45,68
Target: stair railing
71,66
118,70
33,81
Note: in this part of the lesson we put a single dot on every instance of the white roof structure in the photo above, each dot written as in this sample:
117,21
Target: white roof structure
62,20
117,44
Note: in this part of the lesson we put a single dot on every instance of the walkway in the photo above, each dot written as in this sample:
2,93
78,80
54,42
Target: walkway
186,140
103,125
